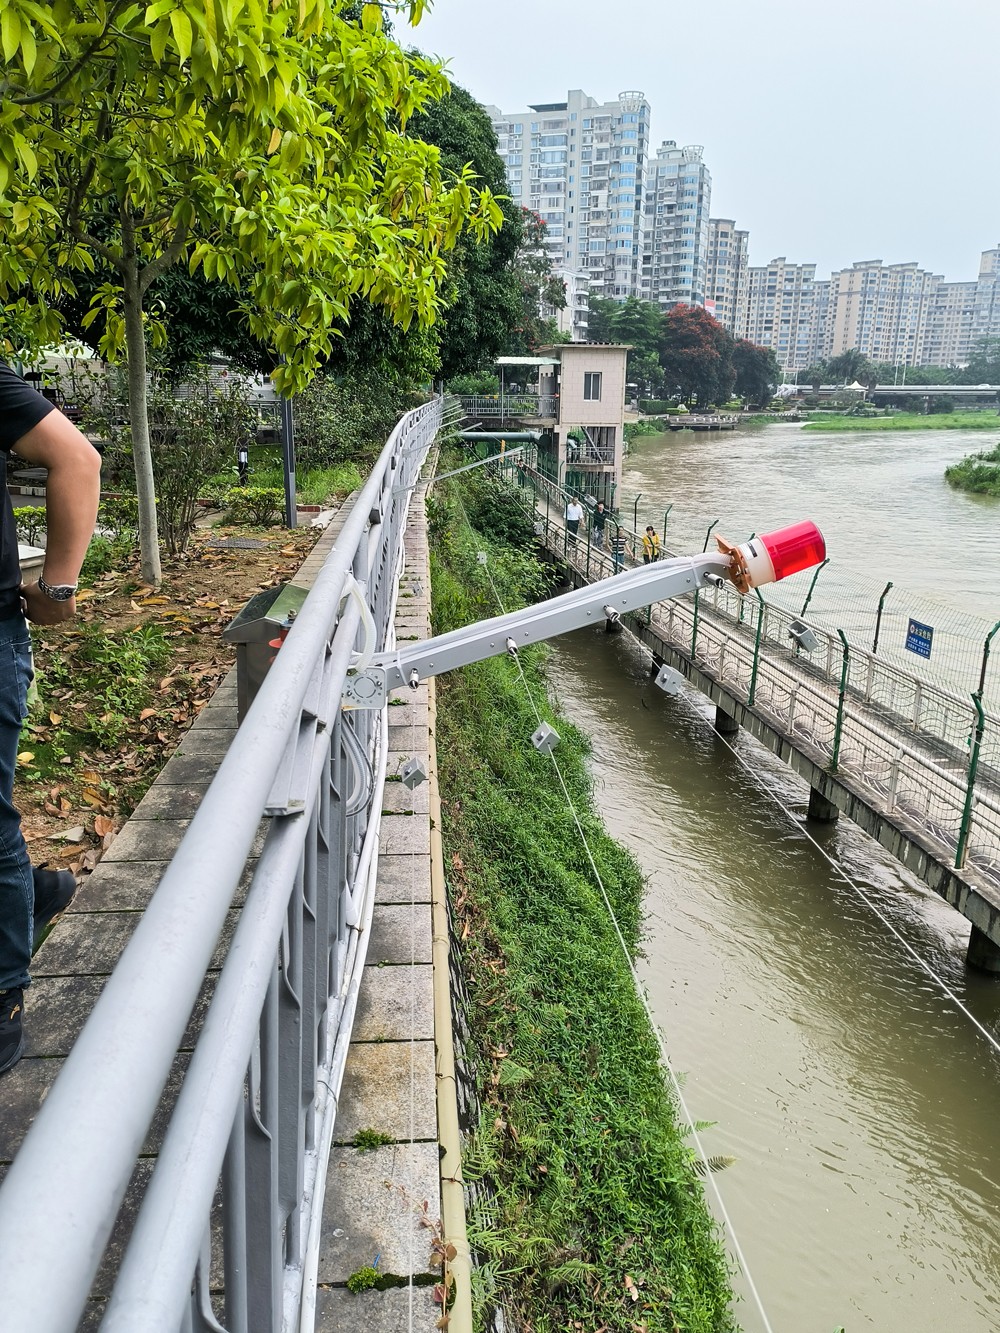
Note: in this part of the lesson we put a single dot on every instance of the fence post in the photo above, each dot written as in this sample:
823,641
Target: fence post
812,586
665,513
756,647
694,625
878,617
708,534
962,850
838,730
986,658
635,511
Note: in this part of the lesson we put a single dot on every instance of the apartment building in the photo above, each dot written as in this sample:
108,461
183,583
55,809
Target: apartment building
676,227
574,316
986,315
781,311
822,331
580,164
882,309
947,334
726,273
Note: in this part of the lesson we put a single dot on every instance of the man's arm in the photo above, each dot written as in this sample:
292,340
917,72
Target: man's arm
72,492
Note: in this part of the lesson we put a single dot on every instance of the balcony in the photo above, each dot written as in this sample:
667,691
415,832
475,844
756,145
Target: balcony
511,406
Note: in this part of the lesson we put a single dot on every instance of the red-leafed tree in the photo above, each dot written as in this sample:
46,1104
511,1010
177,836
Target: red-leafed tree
696,354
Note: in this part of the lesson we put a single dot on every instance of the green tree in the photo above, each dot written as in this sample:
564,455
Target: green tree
757,372
483,293
984,362
696,354
816,375
638,324
538,286
262,143
851,366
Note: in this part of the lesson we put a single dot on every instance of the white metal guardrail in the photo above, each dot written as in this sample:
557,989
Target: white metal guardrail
235,1198
509,405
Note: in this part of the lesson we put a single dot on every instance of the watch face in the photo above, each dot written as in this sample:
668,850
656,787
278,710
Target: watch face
58,592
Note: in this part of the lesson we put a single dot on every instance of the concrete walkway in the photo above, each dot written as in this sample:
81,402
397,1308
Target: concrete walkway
375,1212
375,1200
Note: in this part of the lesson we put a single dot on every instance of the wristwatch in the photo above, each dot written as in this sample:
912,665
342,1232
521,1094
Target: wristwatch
59,592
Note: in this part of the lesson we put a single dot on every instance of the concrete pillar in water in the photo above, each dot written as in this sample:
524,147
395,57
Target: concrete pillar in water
820,809
983,953
725,723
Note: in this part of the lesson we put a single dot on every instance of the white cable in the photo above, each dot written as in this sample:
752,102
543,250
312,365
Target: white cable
641,993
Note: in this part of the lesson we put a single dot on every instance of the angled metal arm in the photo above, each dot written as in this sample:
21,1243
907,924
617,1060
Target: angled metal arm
607,599
480,462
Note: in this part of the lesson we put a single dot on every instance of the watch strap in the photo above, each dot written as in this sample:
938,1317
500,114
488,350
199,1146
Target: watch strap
59,592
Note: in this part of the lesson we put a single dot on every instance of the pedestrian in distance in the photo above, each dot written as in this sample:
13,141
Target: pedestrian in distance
619,550
42,435
597,521
650,545
574,517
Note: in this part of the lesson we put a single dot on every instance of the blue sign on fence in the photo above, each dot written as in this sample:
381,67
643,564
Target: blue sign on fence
918,638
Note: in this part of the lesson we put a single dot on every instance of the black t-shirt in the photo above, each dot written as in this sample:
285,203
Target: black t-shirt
21,408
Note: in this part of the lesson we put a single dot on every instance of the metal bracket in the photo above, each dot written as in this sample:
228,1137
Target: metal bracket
365,689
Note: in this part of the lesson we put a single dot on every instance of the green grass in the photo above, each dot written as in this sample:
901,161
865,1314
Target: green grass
910,421
587,1175
322,484
978,473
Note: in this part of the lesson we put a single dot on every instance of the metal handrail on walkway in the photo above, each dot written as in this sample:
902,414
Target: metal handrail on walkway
252,1125
927,755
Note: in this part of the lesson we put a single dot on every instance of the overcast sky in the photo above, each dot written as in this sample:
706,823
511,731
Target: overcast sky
862,129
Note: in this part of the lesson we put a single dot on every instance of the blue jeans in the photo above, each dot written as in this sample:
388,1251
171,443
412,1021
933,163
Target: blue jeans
17,894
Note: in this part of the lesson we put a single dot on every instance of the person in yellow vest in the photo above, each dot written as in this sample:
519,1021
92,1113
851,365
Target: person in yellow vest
650,546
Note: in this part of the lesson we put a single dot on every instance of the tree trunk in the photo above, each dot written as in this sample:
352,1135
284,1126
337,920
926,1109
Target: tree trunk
142,457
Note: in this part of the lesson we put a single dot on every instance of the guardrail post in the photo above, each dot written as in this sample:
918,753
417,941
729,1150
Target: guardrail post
878,615
635,512
962,850
665,513
986,658
694,624
838,730
812,586
751,693
709,533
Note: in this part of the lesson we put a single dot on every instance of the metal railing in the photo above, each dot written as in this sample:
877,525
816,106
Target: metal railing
510,405
924,754
235,1198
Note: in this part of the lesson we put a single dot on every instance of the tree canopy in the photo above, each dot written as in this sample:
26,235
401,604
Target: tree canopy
262,143
696,354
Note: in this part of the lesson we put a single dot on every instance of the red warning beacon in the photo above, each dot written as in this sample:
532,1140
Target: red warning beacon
774,555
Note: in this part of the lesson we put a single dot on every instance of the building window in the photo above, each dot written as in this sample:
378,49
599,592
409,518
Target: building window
592,386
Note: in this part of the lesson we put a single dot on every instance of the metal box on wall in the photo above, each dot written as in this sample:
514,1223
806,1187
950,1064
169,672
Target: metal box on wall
257,632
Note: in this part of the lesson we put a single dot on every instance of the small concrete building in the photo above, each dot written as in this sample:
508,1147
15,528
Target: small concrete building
587,384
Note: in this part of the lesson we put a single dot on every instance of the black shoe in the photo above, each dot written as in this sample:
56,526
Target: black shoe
11,1036
54,890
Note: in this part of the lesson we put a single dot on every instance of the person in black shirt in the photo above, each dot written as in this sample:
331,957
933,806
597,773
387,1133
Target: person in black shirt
40,434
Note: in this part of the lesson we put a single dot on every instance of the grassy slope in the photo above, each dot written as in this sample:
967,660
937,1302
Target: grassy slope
910,421
593,1182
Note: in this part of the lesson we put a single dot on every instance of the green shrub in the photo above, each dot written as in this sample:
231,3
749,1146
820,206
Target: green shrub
258,506
483,383
30,522
118,517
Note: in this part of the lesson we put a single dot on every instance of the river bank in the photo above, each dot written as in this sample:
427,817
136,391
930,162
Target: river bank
908,421
595,1212
979,474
